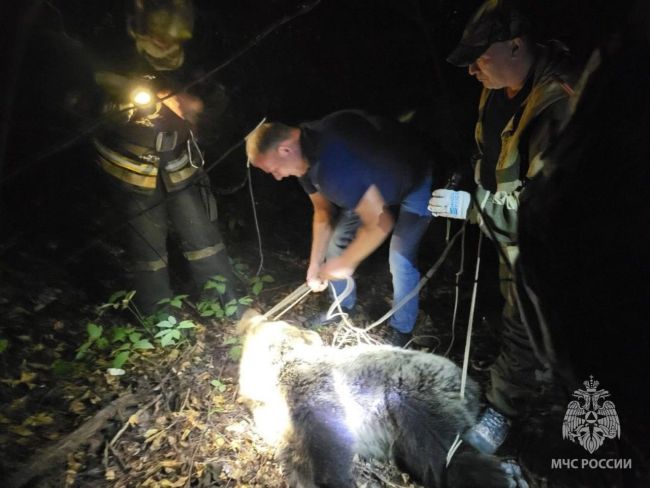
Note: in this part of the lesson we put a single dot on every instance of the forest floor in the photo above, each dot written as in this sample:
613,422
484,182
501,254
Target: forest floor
92,395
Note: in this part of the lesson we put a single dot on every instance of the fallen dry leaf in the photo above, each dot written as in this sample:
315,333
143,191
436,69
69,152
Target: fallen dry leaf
20,430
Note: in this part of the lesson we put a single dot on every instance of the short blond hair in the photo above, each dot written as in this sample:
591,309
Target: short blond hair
266,137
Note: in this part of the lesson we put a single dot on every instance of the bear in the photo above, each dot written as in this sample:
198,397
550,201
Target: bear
319,406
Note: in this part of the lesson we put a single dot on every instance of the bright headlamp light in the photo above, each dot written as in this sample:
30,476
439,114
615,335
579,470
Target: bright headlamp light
142,97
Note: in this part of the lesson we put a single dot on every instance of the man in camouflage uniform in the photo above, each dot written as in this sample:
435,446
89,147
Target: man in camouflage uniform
523,103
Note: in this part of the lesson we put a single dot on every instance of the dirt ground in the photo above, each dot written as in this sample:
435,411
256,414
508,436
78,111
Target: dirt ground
173,419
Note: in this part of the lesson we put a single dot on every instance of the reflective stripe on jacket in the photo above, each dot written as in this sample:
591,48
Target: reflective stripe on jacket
141,148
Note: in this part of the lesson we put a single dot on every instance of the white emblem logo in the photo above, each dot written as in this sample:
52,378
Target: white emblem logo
592,422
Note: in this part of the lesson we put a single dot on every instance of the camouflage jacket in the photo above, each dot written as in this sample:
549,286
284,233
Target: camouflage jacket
524,139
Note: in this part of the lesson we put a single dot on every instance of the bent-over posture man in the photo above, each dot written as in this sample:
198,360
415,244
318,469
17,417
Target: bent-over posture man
354,167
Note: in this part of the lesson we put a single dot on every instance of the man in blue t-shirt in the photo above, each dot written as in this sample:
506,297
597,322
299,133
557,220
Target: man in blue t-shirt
354,167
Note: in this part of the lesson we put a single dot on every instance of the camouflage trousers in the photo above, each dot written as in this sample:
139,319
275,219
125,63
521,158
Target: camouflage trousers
516,372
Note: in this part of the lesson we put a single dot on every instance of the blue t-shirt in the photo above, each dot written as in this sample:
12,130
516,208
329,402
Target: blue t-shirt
349,151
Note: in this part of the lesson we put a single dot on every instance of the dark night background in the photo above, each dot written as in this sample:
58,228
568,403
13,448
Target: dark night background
384,56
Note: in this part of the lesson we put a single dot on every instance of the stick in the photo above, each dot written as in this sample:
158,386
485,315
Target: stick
56,454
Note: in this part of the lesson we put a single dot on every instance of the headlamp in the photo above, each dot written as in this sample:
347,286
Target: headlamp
142,97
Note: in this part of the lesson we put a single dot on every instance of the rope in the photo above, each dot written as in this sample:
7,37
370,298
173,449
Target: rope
457,291
346,332
257,225
490,229
288,302
361,335
342,334
463,378
346,329
470,324
250,192
428,275
349,286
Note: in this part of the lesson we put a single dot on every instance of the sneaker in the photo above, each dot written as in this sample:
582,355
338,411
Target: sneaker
489,433
399,339
320,319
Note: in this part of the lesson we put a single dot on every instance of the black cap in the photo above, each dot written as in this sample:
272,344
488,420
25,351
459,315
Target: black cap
494,21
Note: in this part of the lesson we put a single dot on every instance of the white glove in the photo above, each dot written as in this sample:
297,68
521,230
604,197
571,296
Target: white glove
449,203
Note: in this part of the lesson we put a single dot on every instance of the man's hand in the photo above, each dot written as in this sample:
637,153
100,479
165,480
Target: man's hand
184,105
449,203
314,281
335,269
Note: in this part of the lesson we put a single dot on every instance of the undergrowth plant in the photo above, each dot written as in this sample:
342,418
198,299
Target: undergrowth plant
122,343
258,282
213,307
163,328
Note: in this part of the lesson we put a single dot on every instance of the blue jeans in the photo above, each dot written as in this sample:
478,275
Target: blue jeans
411,225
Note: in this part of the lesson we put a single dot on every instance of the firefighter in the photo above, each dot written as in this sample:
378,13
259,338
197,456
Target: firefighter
150,157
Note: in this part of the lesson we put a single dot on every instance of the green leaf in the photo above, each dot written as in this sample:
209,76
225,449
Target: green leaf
267,279
230,310
102,343
128,297
117,296
94,331
216,282
120,359
62,368
119,334
176,302
221,288
235,353
104,306
257,287
230,340
143,344
83,349
3,345
162,333
164,324
135,337
210,308
161,315
218,385
246,300
124,347
171,320
186,324
167,340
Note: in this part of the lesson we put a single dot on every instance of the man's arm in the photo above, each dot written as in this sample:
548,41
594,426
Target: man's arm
376,225
321,234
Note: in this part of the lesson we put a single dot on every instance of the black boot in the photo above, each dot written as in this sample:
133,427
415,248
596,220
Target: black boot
399,339
150,287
